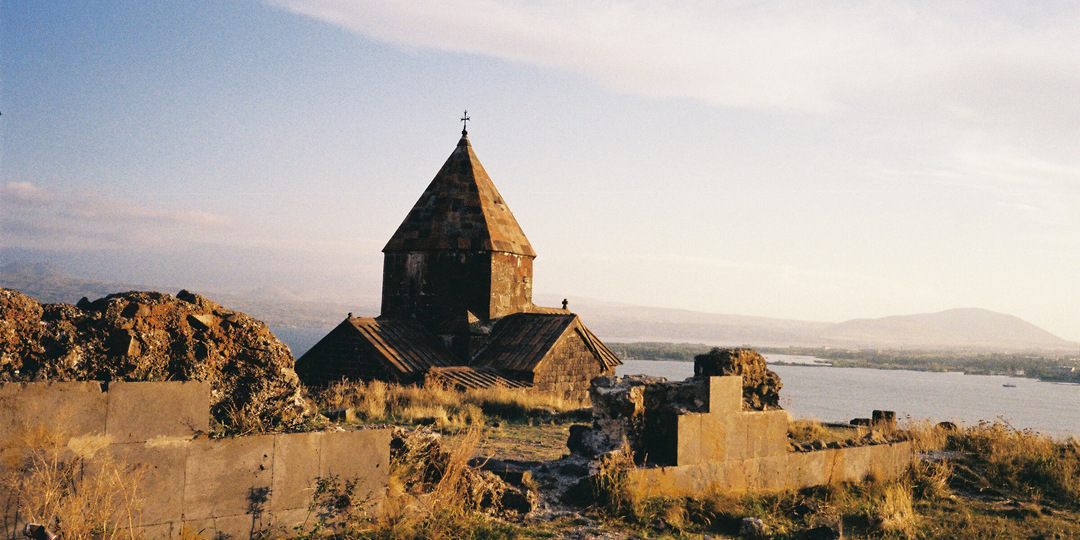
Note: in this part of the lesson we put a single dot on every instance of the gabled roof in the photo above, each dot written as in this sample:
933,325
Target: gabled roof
406,345
395,346
469,377
519,342
460,210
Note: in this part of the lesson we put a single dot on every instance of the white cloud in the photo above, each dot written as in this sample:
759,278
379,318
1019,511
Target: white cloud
38,218
25,193
969,60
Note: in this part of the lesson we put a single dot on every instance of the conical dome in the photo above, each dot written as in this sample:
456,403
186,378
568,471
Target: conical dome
460,210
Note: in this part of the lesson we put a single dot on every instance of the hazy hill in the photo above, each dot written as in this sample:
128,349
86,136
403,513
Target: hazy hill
954,328
969,328
300,322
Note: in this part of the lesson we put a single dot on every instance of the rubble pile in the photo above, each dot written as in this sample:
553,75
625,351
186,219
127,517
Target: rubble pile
761,386
427,468
150,336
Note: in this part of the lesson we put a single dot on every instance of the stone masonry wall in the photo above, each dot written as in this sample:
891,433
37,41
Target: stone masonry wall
568,369
717,445
511,284
154,435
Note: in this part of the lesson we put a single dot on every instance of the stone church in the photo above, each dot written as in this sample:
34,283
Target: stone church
457,303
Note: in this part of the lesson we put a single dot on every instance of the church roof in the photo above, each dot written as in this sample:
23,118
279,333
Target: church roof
460,210
519,342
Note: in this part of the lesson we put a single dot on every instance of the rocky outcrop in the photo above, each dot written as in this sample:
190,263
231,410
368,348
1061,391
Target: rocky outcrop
761,386
150,336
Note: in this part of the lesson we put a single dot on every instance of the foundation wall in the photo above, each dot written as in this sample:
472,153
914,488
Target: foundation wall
152,436
729,449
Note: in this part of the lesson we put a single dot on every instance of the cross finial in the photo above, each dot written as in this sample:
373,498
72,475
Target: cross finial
465,123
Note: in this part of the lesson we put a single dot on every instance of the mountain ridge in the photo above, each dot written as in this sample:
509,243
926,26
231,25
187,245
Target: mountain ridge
303,321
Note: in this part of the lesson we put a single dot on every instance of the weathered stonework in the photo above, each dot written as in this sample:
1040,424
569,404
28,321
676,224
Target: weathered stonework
457,296
568,368
696,436
237,487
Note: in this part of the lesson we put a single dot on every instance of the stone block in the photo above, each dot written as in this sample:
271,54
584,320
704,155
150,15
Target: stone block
242,526
56,409
688,432
806,469
228,477
156,475
714,428
140,411
766,433
685,480
296,468
725,394
772,473
834,465
740,474
288,523
163,531
363,454
737,444
857,463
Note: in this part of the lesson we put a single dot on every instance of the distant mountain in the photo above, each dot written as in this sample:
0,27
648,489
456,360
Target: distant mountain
969,328
626,322
278,308
300,322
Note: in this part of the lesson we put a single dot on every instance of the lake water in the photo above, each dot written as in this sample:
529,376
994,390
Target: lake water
840,394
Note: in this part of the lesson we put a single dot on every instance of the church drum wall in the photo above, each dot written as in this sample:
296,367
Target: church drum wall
436,285
511,283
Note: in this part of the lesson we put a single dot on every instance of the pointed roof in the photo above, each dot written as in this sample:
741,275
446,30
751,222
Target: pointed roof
460,210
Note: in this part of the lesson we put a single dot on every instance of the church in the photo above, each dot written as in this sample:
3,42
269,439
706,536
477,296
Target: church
457,303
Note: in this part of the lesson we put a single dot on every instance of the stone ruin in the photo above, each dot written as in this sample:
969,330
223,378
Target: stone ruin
150,336
721,432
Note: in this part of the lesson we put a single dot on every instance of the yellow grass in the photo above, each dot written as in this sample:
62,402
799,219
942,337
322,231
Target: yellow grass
438,405
76,496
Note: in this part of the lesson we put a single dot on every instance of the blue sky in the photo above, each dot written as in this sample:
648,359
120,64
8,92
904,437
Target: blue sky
824,161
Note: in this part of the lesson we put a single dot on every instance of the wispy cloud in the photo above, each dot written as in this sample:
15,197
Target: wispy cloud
38,218
968,60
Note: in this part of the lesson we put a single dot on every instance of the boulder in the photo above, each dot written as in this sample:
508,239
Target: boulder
761,386
150,336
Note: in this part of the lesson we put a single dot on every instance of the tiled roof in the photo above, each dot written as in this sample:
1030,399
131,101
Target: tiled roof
406,345
460,210
479,377
519,342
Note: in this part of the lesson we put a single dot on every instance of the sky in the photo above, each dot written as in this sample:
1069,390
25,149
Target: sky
807,160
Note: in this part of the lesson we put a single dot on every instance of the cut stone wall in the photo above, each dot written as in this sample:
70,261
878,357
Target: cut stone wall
568,368
696,437
154,435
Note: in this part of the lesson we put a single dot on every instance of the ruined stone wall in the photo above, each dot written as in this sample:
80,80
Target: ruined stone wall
696,436
568,369
154,435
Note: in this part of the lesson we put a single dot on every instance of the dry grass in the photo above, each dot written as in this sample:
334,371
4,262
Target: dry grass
806,430
1019,463
438,405
435,494
612,487
71,491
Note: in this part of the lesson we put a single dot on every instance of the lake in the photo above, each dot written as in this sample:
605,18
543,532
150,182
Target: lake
840,394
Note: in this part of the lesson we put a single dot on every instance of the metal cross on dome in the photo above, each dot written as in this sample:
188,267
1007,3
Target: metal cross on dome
465,122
